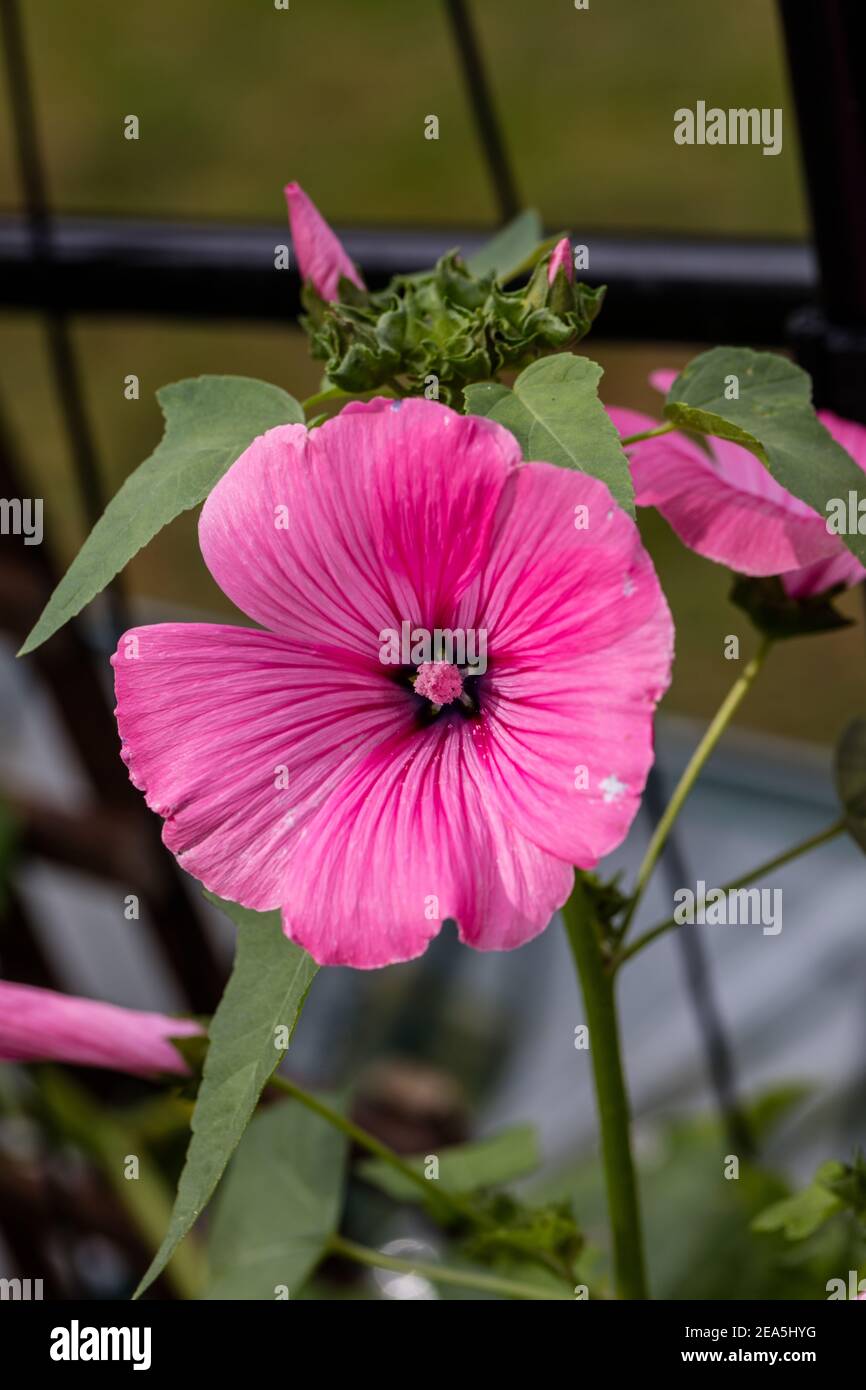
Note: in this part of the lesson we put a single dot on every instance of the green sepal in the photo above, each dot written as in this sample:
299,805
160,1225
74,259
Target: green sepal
776,614
450,324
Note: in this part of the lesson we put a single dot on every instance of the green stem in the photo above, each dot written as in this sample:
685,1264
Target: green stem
722,719
334,397
760,872
312,403
368,1141
647,434
451,1205
442,1274
611,1098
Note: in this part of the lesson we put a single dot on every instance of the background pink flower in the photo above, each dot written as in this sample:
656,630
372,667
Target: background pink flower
295,770
321,256
726,506
39,1025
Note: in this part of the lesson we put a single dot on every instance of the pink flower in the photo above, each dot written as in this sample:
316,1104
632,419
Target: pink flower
322,258
727,507
365,789
39,1025
561,260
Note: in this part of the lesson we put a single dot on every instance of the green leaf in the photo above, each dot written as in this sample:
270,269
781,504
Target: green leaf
765,1113
550,1228
511,250
463,1168
209,421
801,1215
850,1187
280,1202
555,413
850,770
774,417
267,990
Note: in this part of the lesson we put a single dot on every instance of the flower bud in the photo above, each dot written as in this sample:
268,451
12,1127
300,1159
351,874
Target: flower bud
321,256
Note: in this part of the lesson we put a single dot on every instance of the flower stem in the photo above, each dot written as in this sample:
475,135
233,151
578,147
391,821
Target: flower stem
761,871
451,1205
334,396
597,986
647,434
720,722
442,1274
374,1146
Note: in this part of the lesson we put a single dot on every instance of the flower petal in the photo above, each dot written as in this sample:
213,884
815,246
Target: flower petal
381,515
561,259
730,510
413,837
629,422
663,378
579,641
843,567
39,1025
321,256
236,740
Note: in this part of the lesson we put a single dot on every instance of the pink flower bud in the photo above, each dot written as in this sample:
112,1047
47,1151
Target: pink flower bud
39,1025
321,256
561,259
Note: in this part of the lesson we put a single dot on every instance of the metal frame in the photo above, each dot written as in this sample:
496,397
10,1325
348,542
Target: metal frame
662,288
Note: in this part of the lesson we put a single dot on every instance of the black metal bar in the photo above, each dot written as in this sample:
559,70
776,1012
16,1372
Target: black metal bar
481,101
686,289
66,667
26,142
64,365
717,1048
825,45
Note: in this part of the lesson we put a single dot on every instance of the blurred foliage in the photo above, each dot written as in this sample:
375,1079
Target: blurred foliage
836,1187
463,1167
708,1236
698,1224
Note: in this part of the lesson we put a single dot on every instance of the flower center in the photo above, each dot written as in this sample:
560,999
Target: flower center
439,681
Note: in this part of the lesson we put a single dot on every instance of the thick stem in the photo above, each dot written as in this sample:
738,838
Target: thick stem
442,1274
760,872
720,722
598,996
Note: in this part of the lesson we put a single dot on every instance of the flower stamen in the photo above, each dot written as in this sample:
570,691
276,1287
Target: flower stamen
440,682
